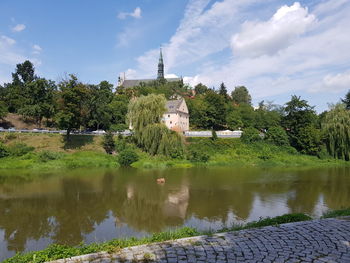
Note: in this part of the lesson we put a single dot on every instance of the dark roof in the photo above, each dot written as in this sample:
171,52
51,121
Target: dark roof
128,83
173,105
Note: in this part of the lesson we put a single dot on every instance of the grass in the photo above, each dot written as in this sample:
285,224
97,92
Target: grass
336,213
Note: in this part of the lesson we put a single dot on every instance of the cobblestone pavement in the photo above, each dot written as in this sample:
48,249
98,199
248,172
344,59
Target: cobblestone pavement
325,240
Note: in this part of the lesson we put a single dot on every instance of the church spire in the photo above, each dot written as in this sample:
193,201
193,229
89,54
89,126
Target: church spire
160,66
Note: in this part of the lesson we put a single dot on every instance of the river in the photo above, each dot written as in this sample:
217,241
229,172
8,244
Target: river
68,207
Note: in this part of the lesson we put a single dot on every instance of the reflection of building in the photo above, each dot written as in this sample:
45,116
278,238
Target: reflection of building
177,203
177,117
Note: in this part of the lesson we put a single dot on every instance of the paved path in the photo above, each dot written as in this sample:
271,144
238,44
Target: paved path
326,240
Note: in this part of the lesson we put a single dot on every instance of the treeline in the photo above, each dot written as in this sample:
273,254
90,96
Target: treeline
71,104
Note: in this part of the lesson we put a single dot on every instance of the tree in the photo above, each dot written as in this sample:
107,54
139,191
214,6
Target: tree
215,111
240,95
108,143
336,128
24,73
223,91
72,104
200,89
40,101
277,135
346,100
298,115
3,110
250,135
119,109
145,114
99,109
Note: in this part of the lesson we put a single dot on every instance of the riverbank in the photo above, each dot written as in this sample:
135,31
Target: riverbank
52,151
114,247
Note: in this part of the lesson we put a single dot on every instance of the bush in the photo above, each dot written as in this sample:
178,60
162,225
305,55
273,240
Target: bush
250,135
118,127
20,149
3,151
214,136
277,136
108,143
197,156
127,157
46,156
120,144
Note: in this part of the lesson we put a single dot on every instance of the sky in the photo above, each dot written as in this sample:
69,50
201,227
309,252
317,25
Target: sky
274,48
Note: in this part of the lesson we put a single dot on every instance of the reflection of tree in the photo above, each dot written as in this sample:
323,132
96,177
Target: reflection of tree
67,208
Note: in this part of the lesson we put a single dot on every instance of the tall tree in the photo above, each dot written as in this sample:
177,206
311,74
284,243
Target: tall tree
216,110
298,115
100,112
336,127
72,104
240,95
346,100
200,89
223,91
40,101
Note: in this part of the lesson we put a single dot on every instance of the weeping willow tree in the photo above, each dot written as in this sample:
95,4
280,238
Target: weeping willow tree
145,114
337,131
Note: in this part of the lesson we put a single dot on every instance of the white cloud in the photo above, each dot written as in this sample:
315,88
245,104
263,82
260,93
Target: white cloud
18,27
135,14
36,49
336,82
171,75
261,38
7,41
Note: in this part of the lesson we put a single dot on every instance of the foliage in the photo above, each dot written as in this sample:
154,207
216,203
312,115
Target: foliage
19,149
277,135
240,95
310,139
45,156
299,118
336,213
108,143
72,107
195,155
336,128
4,152
200,89
127,157
223,91
250,135
346,100
214,136
3,110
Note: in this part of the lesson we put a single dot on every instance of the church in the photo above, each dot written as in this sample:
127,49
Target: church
177,116
129,83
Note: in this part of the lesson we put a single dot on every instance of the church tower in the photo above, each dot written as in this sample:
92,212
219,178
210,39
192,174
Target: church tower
160,66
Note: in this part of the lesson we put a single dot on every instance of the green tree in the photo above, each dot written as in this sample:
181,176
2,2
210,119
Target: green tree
72,104
108,143
200,89
266,117
240,95
40,101
223,91
250,135
346,100
145,114
336,128
100,114
310,140
3,110
24,73
119,109
277,135
215,111
298,115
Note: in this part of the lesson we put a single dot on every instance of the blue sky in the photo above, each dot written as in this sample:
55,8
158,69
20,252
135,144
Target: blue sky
275,48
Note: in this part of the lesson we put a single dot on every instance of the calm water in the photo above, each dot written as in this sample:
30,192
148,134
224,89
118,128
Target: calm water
81,205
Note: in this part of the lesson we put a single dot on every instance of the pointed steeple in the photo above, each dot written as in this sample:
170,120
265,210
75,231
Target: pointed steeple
160,66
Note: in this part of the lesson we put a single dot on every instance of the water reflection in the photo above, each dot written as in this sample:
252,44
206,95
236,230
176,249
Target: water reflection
99,205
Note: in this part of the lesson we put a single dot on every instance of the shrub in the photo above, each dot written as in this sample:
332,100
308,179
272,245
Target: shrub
3,151
214,136
250,135
120,144
10,136
127,157
46,156
277,136
20,149
108,143
194,155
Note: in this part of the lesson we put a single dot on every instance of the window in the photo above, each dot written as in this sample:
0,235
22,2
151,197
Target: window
171,122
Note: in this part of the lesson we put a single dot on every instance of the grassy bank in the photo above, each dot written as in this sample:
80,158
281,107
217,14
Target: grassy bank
52,151
61,251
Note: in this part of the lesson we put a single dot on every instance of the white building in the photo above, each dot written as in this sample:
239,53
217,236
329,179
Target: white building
177,117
